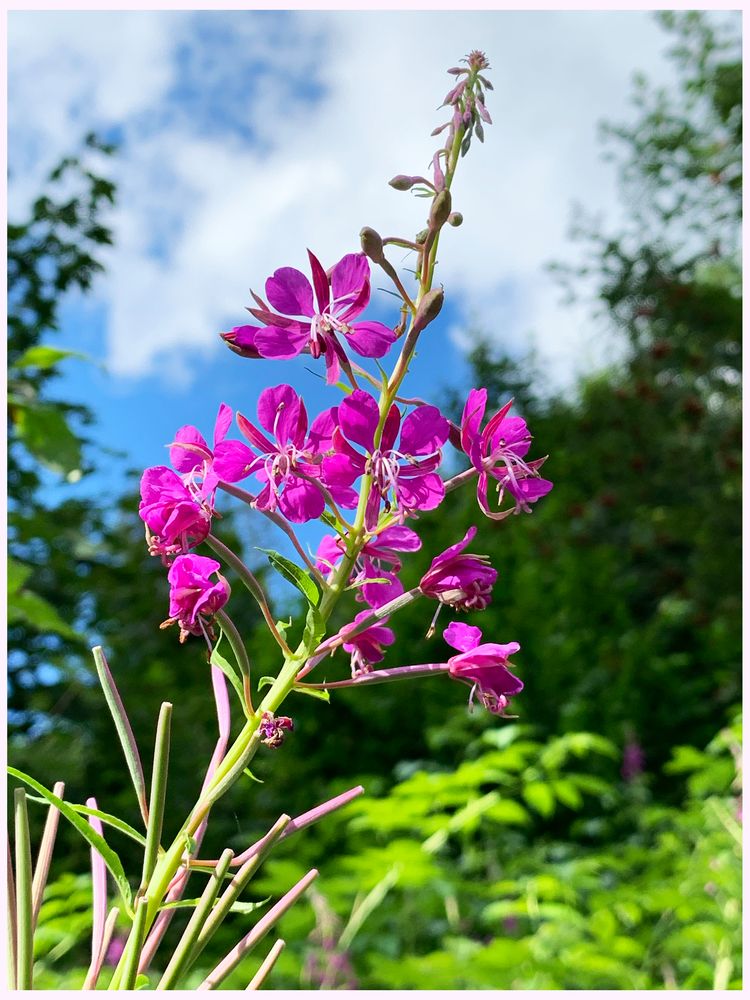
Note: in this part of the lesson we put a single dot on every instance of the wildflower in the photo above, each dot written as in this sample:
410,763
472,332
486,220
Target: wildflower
499,451
175,520
289,462
633,759
366,647
273,729
461,580
406,473
339,298
483,665
193,596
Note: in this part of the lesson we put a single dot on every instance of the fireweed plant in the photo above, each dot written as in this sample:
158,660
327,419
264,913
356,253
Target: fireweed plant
366,467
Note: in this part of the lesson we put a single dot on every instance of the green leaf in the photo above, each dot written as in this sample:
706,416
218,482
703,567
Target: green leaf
29,607
229,672
114,821
184,904
110,858
319,693
265,682
539,796
315,628
294,574
18,574
43,356
45,432
252,777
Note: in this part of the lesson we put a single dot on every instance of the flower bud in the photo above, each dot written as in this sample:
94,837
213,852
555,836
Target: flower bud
372,244
441,209
402,183
428,309
421,236
455,219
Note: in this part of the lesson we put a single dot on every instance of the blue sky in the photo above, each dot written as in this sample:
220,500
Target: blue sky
248,136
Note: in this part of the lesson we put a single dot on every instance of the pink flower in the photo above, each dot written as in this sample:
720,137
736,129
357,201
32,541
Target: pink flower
289,460
378,560
461,580
499,451
404,474
303,324
366,647
175,519
192,594
484,667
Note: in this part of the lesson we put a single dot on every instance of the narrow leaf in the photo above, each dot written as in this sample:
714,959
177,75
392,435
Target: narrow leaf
294,574
319,693
124,729
111,859
44,356
221,662
114,821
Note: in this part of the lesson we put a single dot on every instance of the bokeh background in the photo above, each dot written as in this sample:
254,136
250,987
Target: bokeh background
163,163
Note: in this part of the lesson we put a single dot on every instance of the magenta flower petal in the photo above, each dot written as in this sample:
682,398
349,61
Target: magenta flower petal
371,339
471,421
301,501
321,430
223,423
320,282
423,493
462,637
339,470
358,417
279,412
289,291
234,461
192,593
186,459
273,342
486,669
242,340
349,278
398,537
424,431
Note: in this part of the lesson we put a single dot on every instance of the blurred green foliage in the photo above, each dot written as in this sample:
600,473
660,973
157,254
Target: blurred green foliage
485,854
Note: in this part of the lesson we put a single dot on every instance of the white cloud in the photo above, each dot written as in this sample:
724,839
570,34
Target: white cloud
203,216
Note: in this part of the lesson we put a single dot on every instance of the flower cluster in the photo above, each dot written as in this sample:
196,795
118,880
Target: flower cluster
369,466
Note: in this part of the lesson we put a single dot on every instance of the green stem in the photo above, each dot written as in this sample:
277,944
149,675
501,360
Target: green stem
182,952
252,585
24,906
158,793
133,947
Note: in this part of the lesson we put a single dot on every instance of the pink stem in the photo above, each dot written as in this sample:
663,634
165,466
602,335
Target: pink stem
258,932
99,880
382,676
298,823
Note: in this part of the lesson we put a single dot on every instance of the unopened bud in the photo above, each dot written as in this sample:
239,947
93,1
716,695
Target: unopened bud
428,309
421,236
441,209
372,244
402,183
455,219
